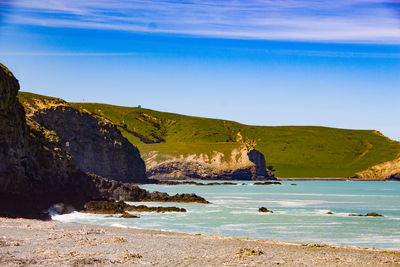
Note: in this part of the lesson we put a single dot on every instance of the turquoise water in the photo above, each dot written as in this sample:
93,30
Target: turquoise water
299,212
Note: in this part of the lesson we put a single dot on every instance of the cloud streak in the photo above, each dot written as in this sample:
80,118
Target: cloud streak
359,21
67,54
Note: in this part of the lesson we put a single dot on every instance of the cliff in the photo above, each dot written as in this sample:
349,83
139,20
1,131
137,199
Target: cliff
34,169
293,151
99,148
387,169
244,163
96,144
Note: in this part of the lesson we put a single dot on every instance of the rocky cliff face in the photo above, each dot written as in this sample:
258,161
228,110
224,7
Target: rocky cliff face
96,144
245,163
34,169
380,171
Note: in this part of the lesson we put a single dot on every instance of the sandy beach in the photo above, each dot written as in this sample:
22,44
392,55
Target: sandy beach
32,242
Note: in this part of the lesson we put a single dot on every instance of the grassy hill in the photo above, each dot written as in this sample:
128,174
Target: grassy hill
294,151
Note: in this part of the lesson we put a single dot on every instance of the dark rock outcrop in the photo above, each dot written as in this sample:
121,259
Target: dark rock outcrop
264,209
266,183
120,207
105,207
395,177
127,215
143,208
96,144
118,191
369,214
258,159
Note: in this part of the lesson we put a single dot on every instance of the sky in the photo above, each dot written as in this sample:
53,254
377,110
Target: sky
258,62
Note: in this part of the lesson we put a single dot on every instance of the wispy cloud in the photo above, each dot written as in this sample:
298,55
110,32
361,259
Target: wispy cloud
362,21
308,53
78,54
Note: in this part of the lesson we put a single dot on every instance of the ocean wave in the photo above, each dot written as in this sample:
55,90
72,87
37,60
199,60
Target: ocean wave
120,225
298,203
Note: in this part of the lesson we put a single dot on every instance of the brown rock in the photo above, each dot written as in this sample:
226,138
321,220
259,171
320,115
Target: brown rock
264,209
373,214
120,207
266,183
127,215
143,208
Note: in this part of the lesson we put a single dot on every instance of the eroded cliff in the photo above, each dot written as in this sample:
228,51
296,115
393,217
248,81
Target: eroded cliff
388,169
244,163
96,144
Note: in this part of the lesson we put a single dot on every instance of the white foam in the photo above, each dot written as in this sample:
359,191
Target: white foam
119,225
243,212
73,216
322,211
204,211
298,203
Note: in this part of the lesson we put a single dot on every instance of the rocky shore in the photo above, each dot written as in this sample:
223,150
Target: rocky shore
37,243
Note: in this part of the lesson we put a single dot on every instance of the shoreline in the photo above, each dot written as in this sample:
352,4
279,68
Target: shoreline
287,179
335,179
33,242
217,236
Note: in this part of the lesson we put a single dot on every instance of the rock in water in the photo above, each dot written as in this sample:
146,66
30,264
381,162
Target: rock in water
266,183
127,215
373,214
120,207
264,209
369,214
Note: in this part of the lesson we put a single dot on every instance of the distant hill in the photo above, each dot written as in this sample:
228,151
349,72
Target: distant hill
292,151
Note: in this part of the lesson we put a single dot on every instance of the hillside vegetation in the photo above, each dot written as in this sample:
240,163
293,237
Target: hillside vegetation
293,151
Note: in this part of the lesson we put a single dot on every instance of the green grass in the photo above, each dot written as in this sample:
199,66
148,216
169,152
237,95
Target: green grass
32,99
294,151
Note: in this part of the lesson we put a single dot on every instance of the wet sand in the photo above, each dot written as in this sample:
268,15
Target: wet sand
30,242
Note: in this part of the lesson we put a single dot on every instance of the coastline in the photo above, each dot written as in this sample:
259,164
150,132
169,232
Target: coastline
335,179
283,179
33,242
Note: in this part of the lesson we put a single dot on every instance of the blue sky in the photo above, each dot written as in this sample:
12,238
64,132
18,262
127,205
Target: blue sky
329,63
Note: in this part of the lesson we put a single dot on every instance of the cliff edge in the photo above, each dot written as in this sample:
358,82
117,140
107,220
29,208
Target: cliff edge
96,144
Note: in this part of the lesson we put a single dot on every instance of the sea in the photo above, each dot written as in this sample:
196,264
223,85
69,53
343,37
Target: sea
300,212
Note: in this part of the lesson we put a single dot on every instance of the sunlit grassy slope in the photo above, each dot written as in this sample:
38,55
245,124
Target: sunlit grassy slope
294,151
